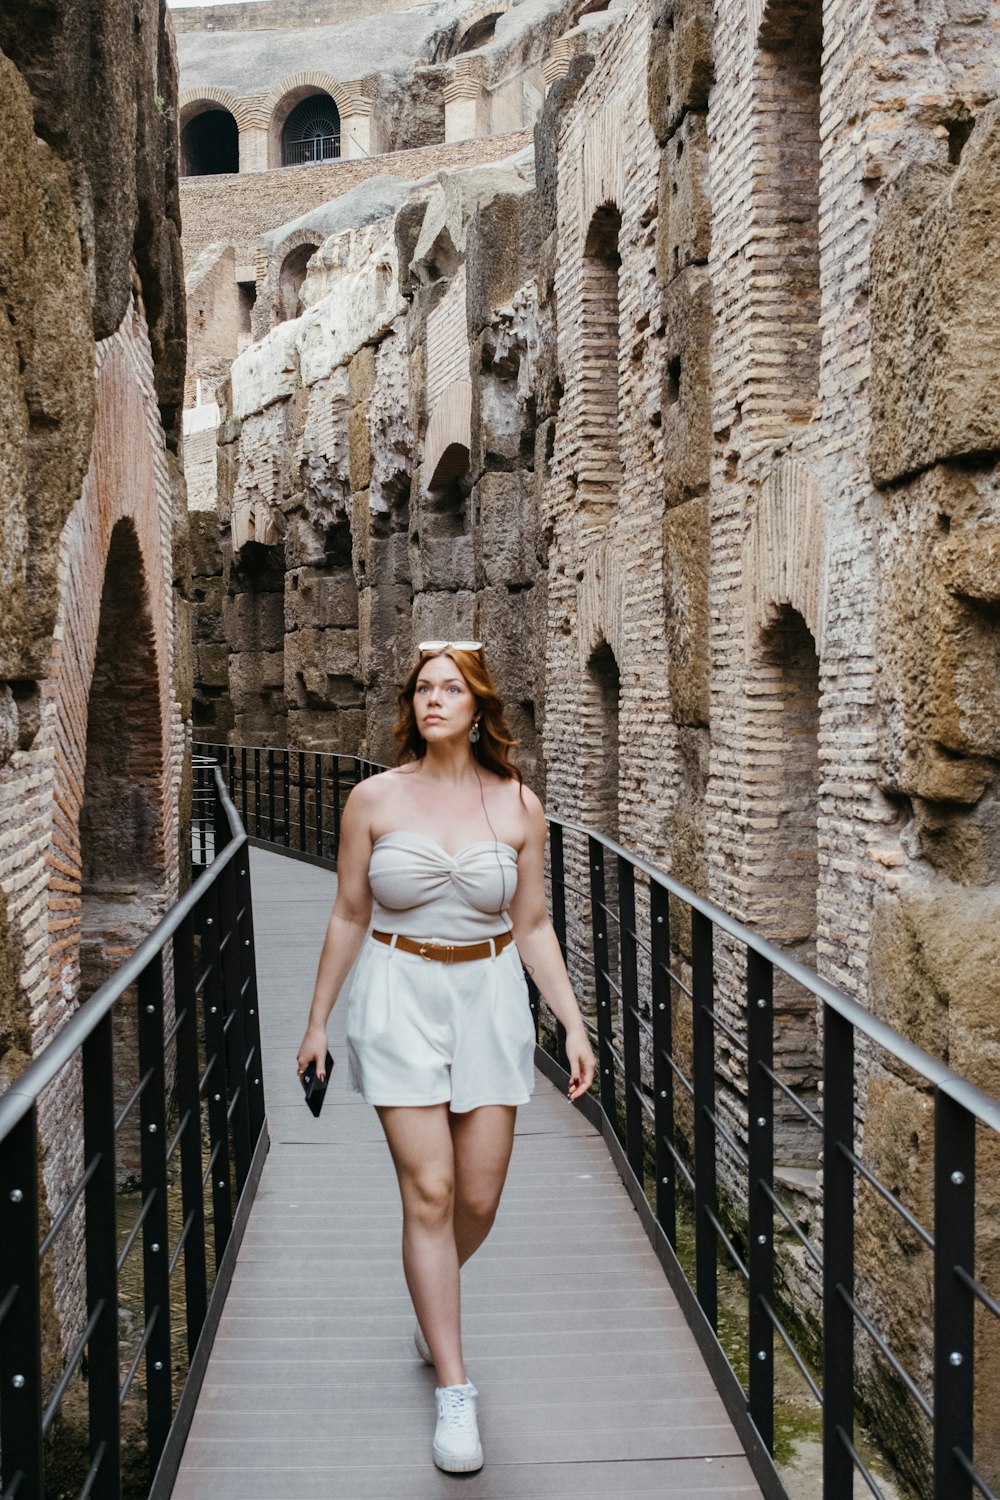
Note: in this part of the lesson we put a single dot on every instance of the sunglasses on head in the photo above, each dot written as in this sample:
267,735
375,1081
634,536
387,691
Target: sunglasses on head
450,646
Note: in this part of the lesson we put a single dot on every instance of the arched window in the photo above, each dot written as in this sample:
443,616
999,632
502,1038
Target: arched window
312,132
292,275
210,144
600,469
479,33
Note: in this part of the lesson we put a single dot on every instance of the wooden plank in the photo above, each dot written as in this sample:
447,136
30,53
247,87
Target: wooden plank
590,1379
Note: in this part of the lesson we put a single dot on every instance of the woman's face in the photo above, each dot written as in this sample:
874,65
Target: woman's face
443,703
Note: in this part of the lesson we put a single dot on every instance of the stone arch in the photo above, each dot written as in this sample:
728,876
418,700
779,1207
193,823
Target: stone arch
210,144
291,275
195,101
274,107
479,30
448,441
600,606
784,554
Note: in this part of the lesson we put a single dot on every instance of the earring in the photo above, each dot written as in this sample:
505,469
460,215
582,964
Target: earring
474,733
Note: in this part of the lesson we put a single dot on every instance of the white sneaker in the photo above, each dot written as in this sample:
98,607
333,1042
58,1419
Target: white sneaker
422,1346
457,1448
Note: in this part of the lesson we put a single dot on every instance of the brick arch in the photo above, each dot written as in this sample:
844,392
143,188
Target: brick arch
601,605
213,98
449,433
268,303
784,554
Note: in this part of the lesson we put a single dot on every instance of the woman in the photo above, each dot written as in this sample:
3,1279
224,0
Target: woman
444,857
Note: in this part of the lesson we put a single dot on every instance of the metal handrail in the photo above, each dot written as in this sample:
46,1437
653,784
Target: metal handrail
292,800
214,919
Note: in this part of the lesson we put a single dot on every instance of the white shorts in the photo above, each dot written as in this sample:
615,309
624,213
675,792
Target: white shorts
421,1032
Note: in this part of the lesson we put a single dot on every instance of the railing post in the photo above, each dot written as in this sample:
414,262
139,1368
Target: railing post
602,990
231,771
631,1051
102,1256
954,1250
256,793
213,1003
302,802
21,1336
838,1255
270,795
318,801
189,1124
236,1051
663,1078
155,1244
248,990
557,867
286,799
244,791
703,1044
760,1181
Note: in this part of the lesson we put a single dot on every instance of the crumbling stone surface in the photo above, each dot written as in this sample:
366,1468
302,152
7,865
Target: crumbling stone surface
935,311
684,227
680,69
686,551
687,417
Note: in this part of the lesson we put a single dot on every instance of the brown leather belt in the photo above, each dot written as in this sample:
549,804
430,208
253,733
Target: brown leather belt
447,953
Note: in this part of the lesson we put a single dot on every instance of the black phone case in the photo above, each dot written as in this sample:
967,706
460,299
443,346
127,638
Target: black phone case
314,1090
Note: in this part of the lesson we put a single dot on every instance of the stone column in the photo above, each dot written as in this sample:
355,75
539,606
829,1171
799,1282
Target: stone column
464,101
355,104
253,149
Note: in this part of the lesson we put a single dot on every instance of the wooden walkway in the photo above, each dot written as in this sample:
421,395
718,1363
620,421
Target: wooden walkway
590,1381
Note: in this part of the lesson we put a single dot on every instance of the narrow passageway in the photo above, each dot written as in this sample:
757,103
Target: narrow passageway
590,1380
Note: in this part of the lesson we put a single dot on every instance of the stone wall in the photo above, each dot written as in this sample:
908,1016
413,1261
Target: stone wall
694,420
94,680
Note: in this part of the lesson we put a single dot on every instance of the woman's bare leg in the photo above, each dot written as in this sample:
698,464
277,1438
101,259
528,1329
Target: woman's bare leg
483,1139
420,1141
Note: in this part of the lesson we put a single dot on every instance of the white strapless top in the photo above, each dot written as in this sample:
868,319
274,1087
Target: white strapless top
423,892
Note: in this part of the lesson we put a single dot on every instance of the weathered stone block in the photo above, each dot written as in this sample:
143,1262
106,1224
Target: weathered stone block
680,72
206,550
333,730
444,563
321,668
360,448
687,402
685,580
253,673
407,226
361,376
503,250
254,622
684,224
505,623
439,616
212,664
208,600
506,529
320,599
935,267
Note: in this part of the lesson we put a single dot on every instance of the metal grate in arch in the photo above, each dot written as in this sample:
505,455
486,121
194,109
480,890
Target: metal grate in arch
311,132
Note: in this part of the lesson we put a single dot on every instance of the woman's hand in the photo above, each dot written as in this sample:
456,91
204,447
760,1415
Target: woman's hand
582,1062
313,1050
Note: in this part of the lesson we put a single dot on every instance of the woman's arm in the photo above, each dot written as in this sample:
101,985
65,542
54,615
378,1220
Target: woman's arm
539,949
347,926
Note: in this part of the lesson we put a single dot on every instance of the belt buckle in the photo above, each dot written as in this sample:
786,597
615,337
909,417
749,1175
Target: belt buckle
425,956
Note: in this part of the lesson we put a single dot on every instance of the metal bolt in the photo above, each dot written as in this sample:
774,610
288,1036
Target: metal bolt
243,872
954,1358
663,1093
252,1012
664,1180
220,1184
158,1364
606,1072
246,942
762,1354
155,1248
659,920
256,1080
600,934
209,921
151,1129
17,1382
761,1120
150,1009
214,1010
958,1178
16,1196
762,1005
216,1097
762,1239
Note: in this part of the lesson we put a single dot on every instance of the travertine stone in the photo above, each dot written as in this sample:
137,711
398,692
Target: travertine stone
684,223
506,529
680,69
685,583
935,311
360,448
686,412
253,673
212,664
504,245
254,621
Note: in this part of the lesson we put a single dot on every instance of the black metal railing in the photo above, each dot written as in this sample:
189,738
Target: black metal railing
164,1055
688,1009
316,149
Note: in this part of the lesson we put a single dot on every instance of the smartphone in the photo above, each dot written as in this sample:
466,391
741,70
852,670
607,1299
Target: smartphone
315,1091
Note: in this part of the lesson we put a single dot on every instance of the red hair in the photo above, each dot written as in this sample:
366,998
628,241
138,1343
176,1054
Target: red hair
496,744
